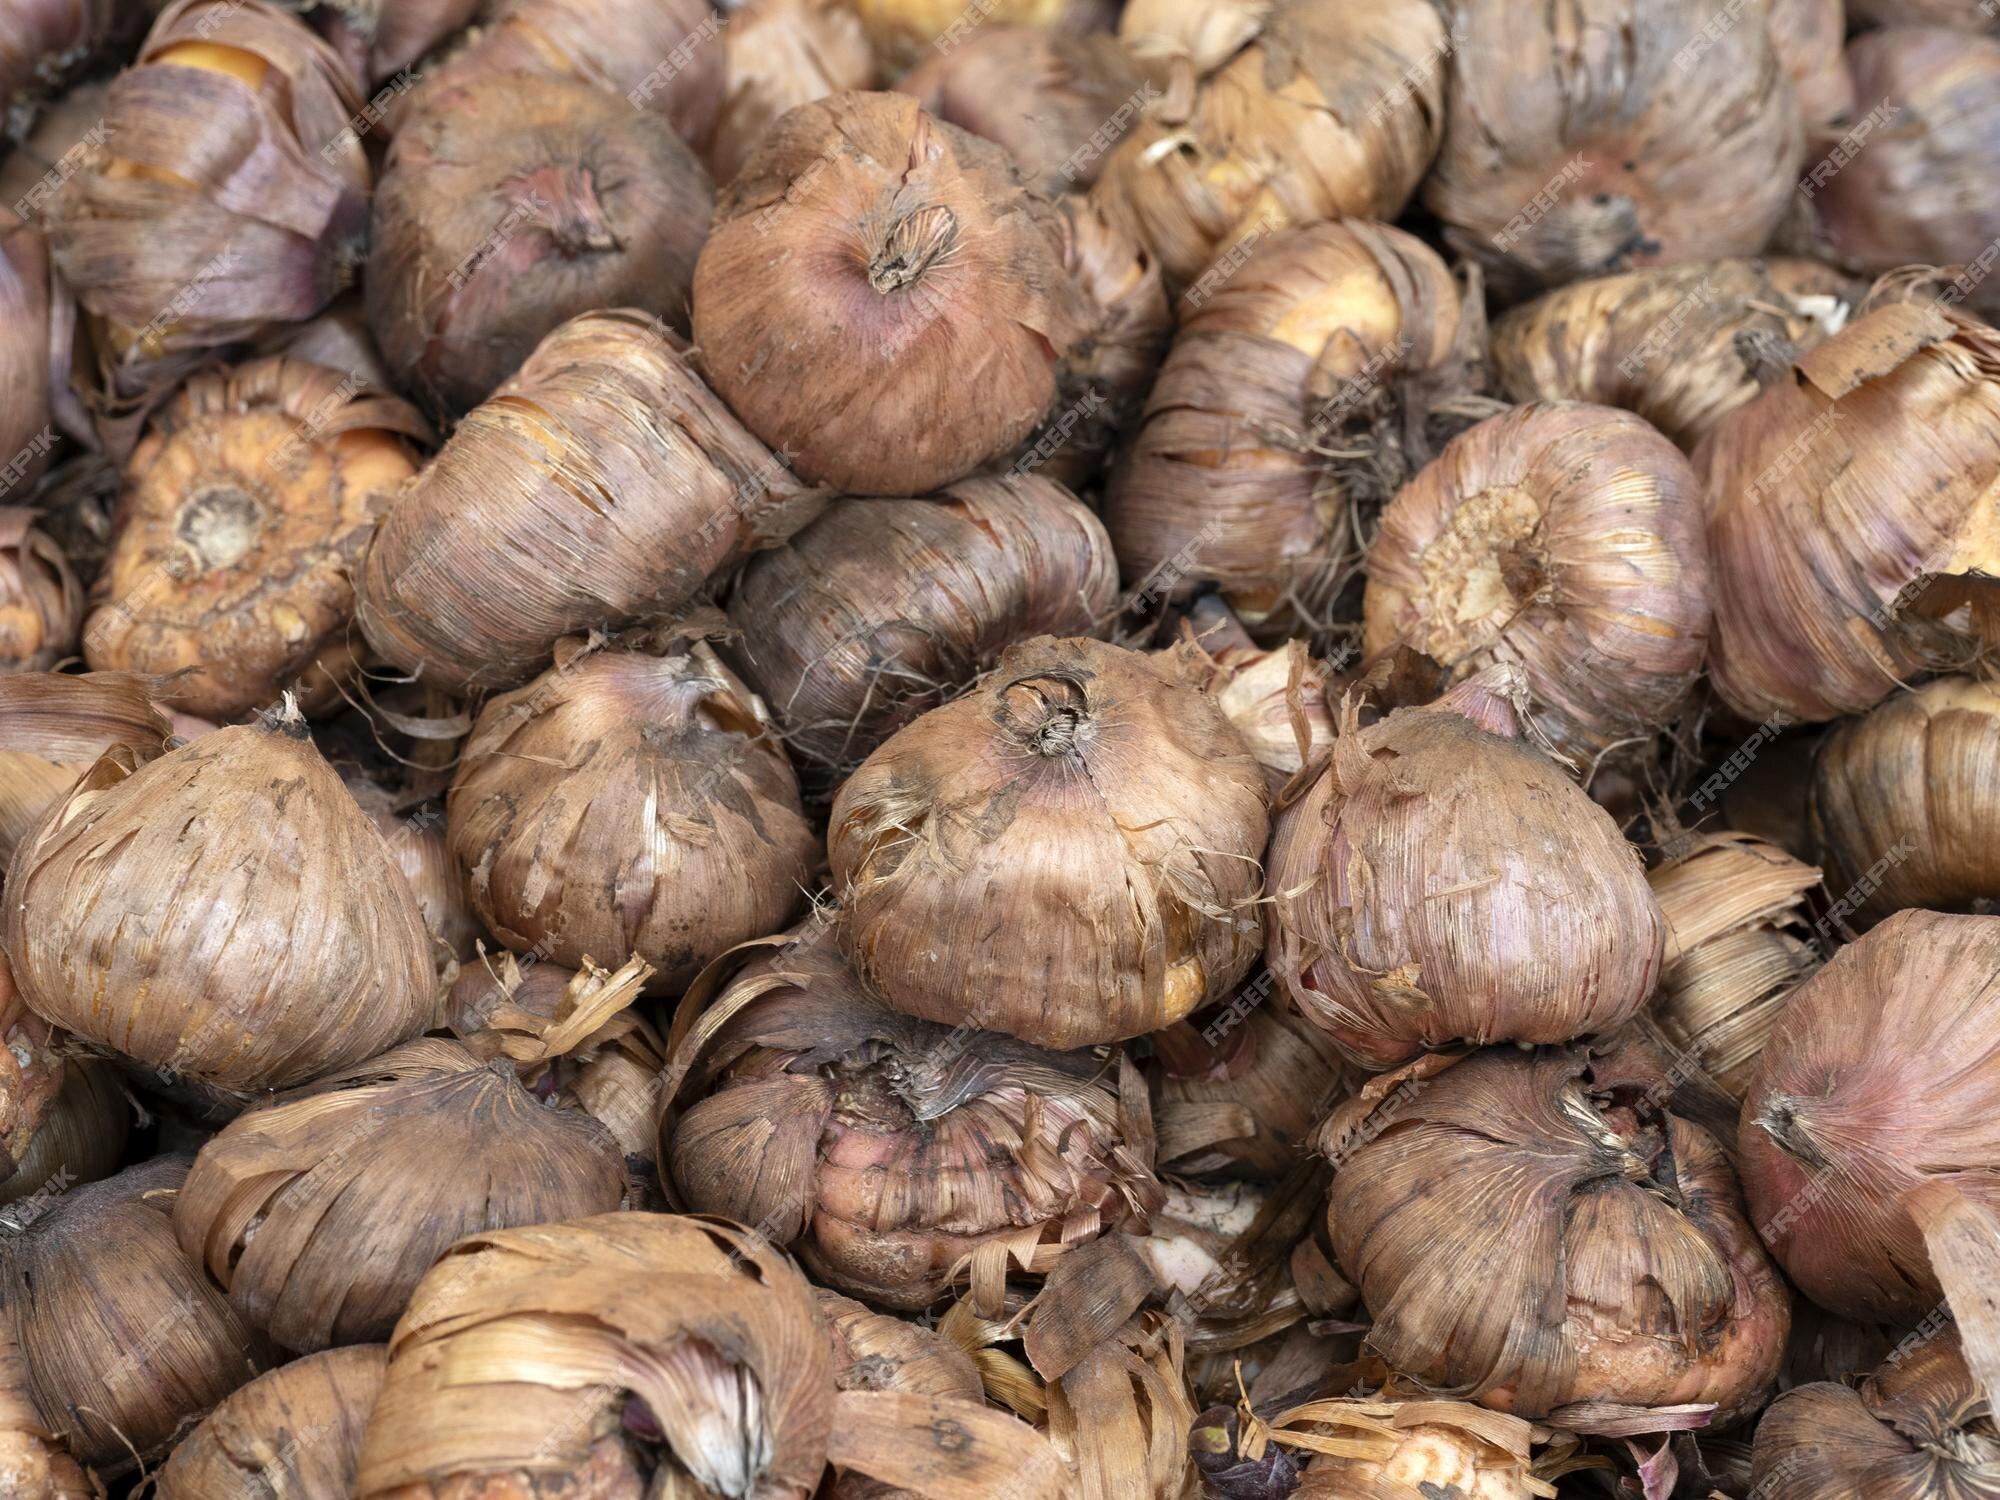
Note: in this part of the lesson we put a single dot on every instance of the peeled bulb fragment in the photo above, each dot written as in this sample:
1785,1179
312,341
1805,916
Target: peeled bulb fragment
899,1157
122,1337
675,833
1850,526
1566,539
510,204
1277,699
403,1155
246,510
1566,157
1094,799
205,915
1596,1243
881,300
41,603
688,1349
1442,882
1906,802
292,1432
1870,1137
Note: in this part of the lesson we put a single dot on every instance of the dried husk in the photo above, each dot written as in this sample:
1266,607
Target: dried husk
28,351
603,483
1277,699
41,603
1870,1150
1565,155
1101,388
779,54
1906,801
1050,98
1567,540
1239,1096
224,912
34,1072
1386,1445
53,725
1330,110
1907,183
34,1464
1097,803
123,1338
528,1353
1807,36
573,1038
245,512
42,40
898,1157
510,204
881,299
231,194
1122,1416
1849,532
905,32
387,37
318,1213
1918,1428
673,832
911,1386
1539,1233
1734,908
1236,477
1441,882
883,609
293,1433
665,56
338,339
416,842
1679,345
82,1136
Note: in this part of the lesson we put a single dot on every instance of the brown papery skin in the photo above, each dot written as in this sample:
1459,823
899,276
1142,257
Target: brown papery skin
1882,1077
1222,482
1440,884
1807,36
876,1352
1959,15
225,911
1914,188
1918,1428
1569,540
34,1464
1101,388
123,1338
402,1155
41,603
289,1434
888,1151
227,207
1611,134
54,724
883,609
38,37
881,300
387,36
1331,111
665,56
1536,1231
674,833
510,204
1040,93
25,354
1070,854
1915,786
701,1324
1207,33
416,843
905,32
603,483
1849,525
780,54
245,512
1668,342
